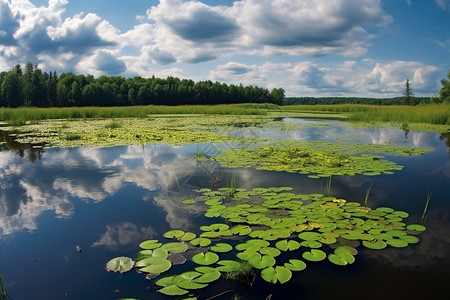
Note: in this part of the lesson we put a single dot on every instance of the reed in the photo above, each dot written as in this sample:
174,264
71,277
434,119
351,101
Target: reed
3,292
328,185
366,198
425,209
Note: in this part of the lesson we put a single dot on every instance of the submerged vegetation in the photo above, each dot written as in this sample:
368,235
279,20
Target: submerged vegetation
283,233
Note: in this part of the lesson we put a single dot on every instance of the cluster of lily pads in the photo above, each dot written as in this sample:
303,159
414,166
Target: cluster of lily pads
317,158
273,230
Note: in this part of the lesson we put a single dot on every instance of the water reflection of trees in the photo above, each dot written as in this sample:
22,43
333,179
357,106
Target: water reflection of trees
7,142
446,136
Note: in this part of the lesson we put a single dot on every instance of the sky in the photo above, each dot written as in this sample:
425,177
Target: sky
320,48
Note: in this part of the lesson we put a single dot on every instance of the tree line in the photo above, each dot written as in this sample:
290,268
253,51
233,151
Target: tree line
33,87
355,100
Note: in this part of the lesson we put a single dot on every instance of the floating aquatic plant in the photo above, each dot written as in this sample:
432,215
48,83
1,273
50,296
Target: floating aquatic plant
272,222
319,159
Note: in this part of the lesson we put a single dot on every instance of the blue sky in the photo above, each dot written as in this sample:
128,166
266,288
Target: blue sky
364,48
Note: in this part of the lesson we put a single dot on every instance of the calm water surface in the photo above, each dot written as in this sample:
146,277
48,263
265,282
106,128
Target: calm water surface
107,200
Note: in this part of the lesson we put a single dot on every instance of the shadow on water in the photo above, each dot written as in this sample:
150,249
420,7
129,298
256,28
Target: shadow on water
32,151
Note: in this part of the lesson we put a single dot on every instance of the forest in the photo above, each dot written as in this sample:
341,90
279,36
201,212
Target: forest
354,100
31,87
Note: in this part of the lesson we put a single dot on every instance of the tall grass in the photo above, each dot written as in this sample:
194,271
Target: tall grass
431,113
19,116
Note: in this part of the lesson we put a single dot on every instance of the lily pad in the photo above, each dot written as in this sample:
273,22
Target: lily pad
189,201
228,266
314,255
377,244
295,265
397,243
279,273
416,227
154,265
285,245
120,264
150,244
261,262
202,242
208,274
173,290
173,234
186,281
188,236
207,258
175,247
221,247
336,259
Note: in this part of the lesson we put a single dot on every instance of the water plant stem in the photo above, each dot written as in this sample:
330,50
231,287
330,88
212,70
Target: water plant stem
425,209
3,293
367,195
328,186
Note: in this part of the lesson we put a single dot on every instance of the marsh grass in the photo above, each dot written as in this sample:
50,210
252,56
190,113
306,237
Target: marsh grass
245,273
431,113
20,116
113,125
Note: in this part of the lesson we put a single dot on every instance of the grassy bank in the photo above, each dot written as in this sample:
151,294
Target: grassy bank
430,114
19,116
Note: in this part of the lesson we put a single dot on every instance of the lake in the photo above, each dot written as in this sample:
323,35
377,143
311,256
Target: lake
105,201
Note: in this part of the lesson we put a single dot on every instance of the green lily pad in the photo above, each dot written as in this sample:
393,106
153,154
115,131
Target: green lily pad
173,290
241,229
175,247
221,248
228,266
189,201
285,245
159,252
120,264
314,255
208,274
409,239
202,242
164,281
270,251
207,258
416,227
174,234
345,250
295,265
154,265
314,244
261,262
377,244
150,244
336,259
279,273
188,236
186,281
397,243
308,235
